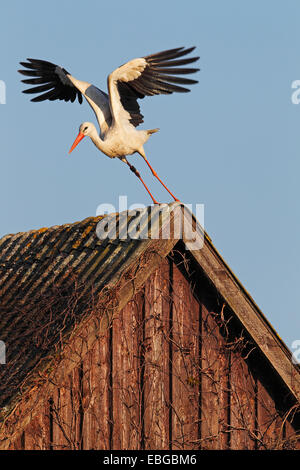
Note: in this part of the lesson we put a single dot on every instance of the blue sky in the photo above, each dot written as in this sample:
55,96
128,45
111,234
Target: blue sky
232,144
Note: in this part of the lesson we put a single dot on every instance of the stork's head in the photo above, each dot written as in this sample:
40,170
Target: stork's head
85,129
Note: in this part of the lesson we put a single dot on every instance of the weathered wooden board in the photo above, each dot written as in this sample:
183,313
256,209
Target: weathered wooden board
37,433
214,385
242,404
156,347
269,423
185,364
65,414
97,395
126,376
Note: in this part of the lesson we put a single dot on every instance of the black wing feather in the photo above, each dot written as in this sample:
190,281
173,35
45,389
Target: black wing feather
52,78
129,101
37,81
174,63
159,77
39,89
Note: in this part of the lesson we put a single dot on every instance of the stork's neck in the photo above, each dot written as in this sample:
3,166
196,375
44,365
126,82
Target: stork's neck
100,144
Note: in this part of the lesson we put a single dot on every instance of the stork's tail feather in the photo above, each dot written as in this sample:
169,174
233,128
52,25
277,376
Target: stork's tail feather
152,131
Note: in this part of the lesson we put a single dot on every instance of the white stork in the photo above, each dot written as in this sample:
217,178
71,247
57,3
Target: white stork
118,112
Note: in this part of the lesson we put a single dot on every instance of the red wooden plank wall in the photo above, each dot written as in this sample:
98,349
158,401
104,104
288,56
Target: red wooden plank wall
164,376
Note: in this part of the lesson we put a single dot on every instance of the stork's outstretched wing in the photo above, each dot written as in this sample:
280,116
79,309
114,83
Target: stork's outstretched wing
49,78
60,85
147,76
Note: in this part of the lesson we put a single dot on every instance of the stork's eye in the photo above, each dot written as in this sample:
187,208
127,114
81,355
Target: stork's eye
85,129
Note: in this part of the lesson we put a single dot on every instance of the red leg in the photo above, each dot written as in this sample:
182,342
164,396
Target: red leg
134,170
156,176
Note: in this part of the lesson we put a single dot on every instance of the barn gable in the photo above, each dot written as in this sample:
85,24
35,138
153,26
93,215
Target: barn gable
128,343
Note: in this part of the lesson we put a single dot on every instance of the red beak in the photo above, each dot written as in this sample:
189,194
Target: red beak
76,141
